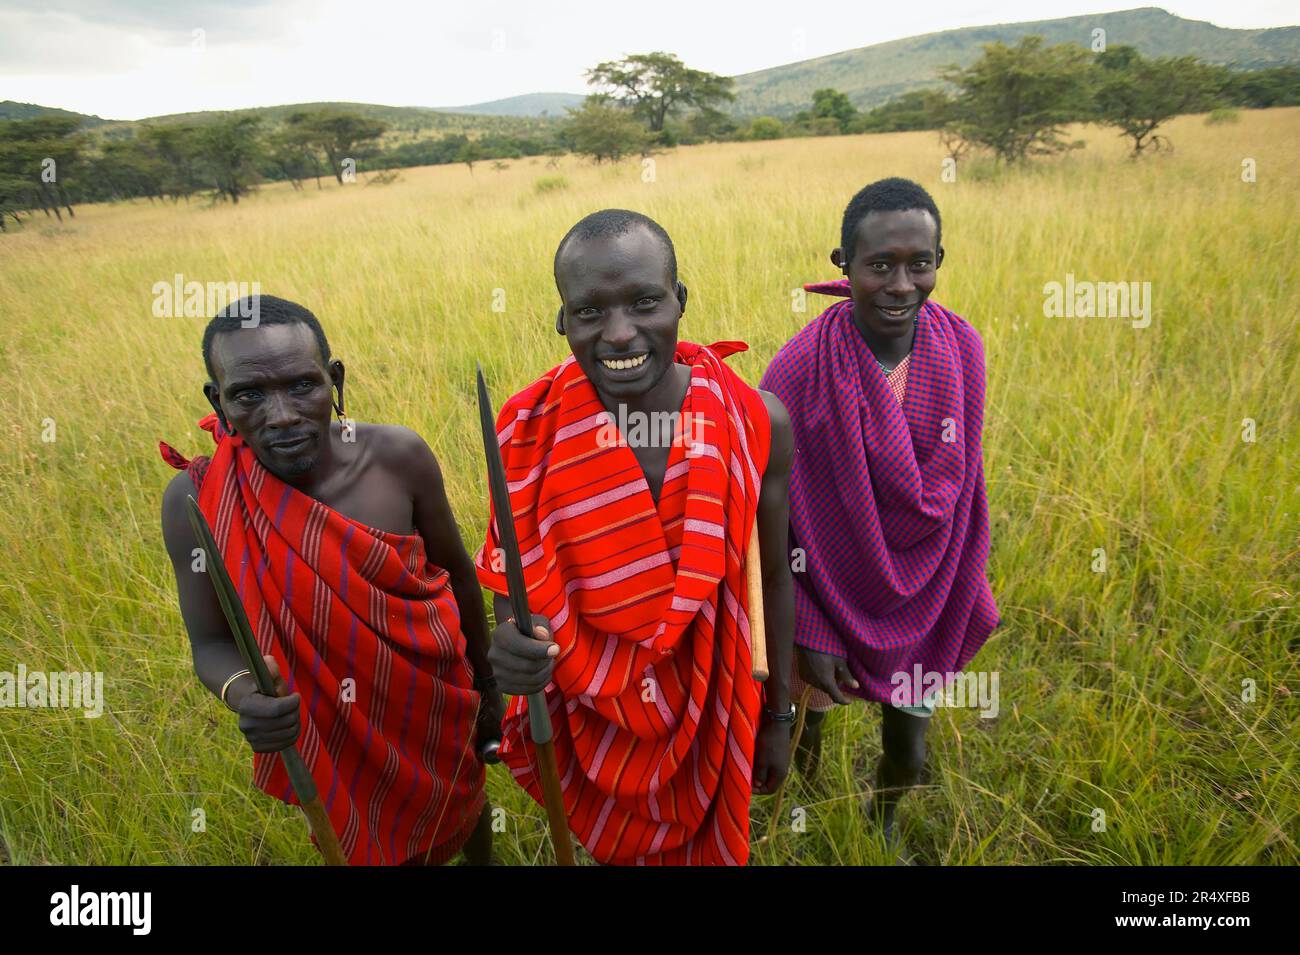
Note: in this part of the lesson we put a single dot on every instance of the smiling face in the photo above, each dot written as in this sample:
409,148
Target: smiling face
274,390
621,311
892,271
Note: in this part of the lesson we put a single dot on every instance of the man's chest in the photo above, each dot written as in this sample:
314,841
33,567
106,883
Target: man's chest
374,497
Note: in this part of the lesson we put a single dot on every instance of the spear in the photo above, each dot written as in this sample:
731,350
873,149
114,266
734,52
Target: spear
539,718
304,786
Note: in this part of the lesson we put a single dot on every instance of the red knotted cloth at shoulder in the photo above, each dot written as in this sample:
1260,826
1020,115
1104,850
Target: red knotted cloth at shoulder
368,631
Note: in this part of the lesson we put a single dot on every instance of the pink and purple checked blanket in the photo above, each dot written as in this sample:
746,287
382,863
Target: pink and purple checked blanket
887,502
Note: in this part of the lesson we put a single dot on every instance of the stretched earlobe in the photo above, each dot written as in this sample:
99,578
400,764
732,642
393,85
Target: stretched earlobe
336,373
681,296
559,321
837,259
210,392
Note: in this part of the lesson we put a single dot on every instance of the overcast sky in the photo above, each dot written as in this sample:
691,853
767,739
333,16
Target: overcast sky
127,60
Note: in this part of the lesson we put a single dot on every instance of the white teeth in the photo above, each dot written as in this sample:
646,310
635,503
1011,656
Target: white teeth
621,363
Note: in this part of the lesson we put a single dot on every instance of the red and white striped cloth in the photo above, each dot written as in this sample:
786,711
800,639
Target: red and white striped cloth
653,703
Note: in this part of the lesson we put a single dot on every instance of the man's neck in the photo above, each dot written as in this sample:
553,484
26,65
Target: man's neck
888,351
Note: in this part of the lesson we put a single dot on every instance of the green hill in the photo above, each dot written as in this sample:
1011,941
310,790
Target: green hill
874,74
12,110
530,104
870,75
411,121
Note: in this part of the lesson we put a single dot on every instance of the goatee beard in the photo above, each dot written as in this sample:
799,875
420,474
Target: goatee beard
298,467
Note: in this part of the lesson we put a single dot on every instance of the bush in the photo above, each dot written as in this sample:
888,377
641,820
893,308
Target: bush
1223,114
547,184
605,133
766,127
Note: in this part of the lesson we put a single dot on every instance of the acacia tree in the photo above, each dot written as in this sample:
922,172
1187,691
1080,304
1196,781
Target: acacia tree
656,85
13,198
38,158
604,132
1137,95
1017,100
175,147
469,152
832,104
338,135
128,169
291,150
231,147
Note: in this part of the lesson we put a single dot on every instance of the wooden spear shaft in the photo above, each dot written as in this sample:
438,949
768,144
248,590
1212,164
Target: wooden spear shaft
539,717
757,623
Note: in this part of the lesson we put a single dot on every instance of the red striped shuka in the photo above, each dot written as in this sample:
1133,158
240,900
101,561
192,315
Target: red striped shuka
653,703
331,599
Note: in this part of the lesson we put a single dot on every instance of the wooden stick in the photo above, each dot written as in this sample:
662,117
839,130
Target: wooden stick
539,717
553,799
754,585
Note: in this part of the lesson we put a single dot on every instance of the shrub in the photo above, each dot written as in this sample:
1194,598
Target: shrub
546,184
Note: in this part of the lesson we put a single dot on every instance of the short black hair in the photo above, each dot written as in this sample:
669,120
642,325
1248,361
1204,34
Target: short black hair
885,195
269,310
609,223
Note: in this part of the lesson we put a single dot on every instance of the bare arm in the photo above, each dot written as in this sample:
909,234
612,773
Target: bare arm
772,745
215,653
773,531
268,723
436,524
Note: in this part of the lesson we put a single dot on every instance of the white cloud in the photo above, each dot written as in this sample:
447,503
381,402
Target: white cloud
128,60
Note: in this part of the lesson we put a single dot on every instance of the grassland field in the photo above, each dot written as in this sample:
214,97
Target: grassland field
1158,697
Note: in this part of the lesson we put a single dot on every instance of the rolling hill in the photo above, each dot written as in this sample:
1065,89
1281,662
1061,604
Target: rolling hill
405,123
874,74
9,109
530,104
870,75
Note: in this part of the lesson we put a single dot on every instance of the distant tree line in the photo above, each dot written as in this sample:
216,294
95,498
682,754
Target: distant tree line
1014,102
48,163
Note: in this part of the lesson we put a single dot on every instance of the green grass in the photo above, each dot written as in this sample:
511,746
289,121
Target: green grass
1120,691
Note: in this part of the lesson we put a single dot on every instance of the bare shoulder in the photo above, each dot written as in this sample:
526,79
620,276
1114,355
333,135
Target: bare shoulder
178,488
177,533
398,449
782,434
776,413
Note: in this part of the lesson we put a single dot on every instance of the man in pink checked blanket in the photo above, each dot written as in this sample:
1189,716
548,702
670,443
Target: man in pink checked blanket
888,517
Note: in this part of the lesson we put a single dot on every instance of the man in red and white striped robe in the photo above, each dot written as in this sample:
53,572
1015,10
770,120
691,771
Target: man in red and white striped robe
348,562
636,469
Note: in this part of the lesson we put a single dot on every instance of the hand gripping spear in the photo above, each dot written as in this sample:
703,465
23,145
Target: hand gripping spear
303,785
539,718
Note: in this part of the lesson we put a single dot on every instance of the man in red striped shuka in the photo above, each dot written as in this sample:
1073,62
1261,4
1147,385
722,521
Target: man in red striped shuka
341,543
636,470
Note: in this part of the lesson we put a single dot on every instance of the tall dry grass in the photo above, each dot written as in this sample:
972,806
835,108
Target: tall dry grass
1121,692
